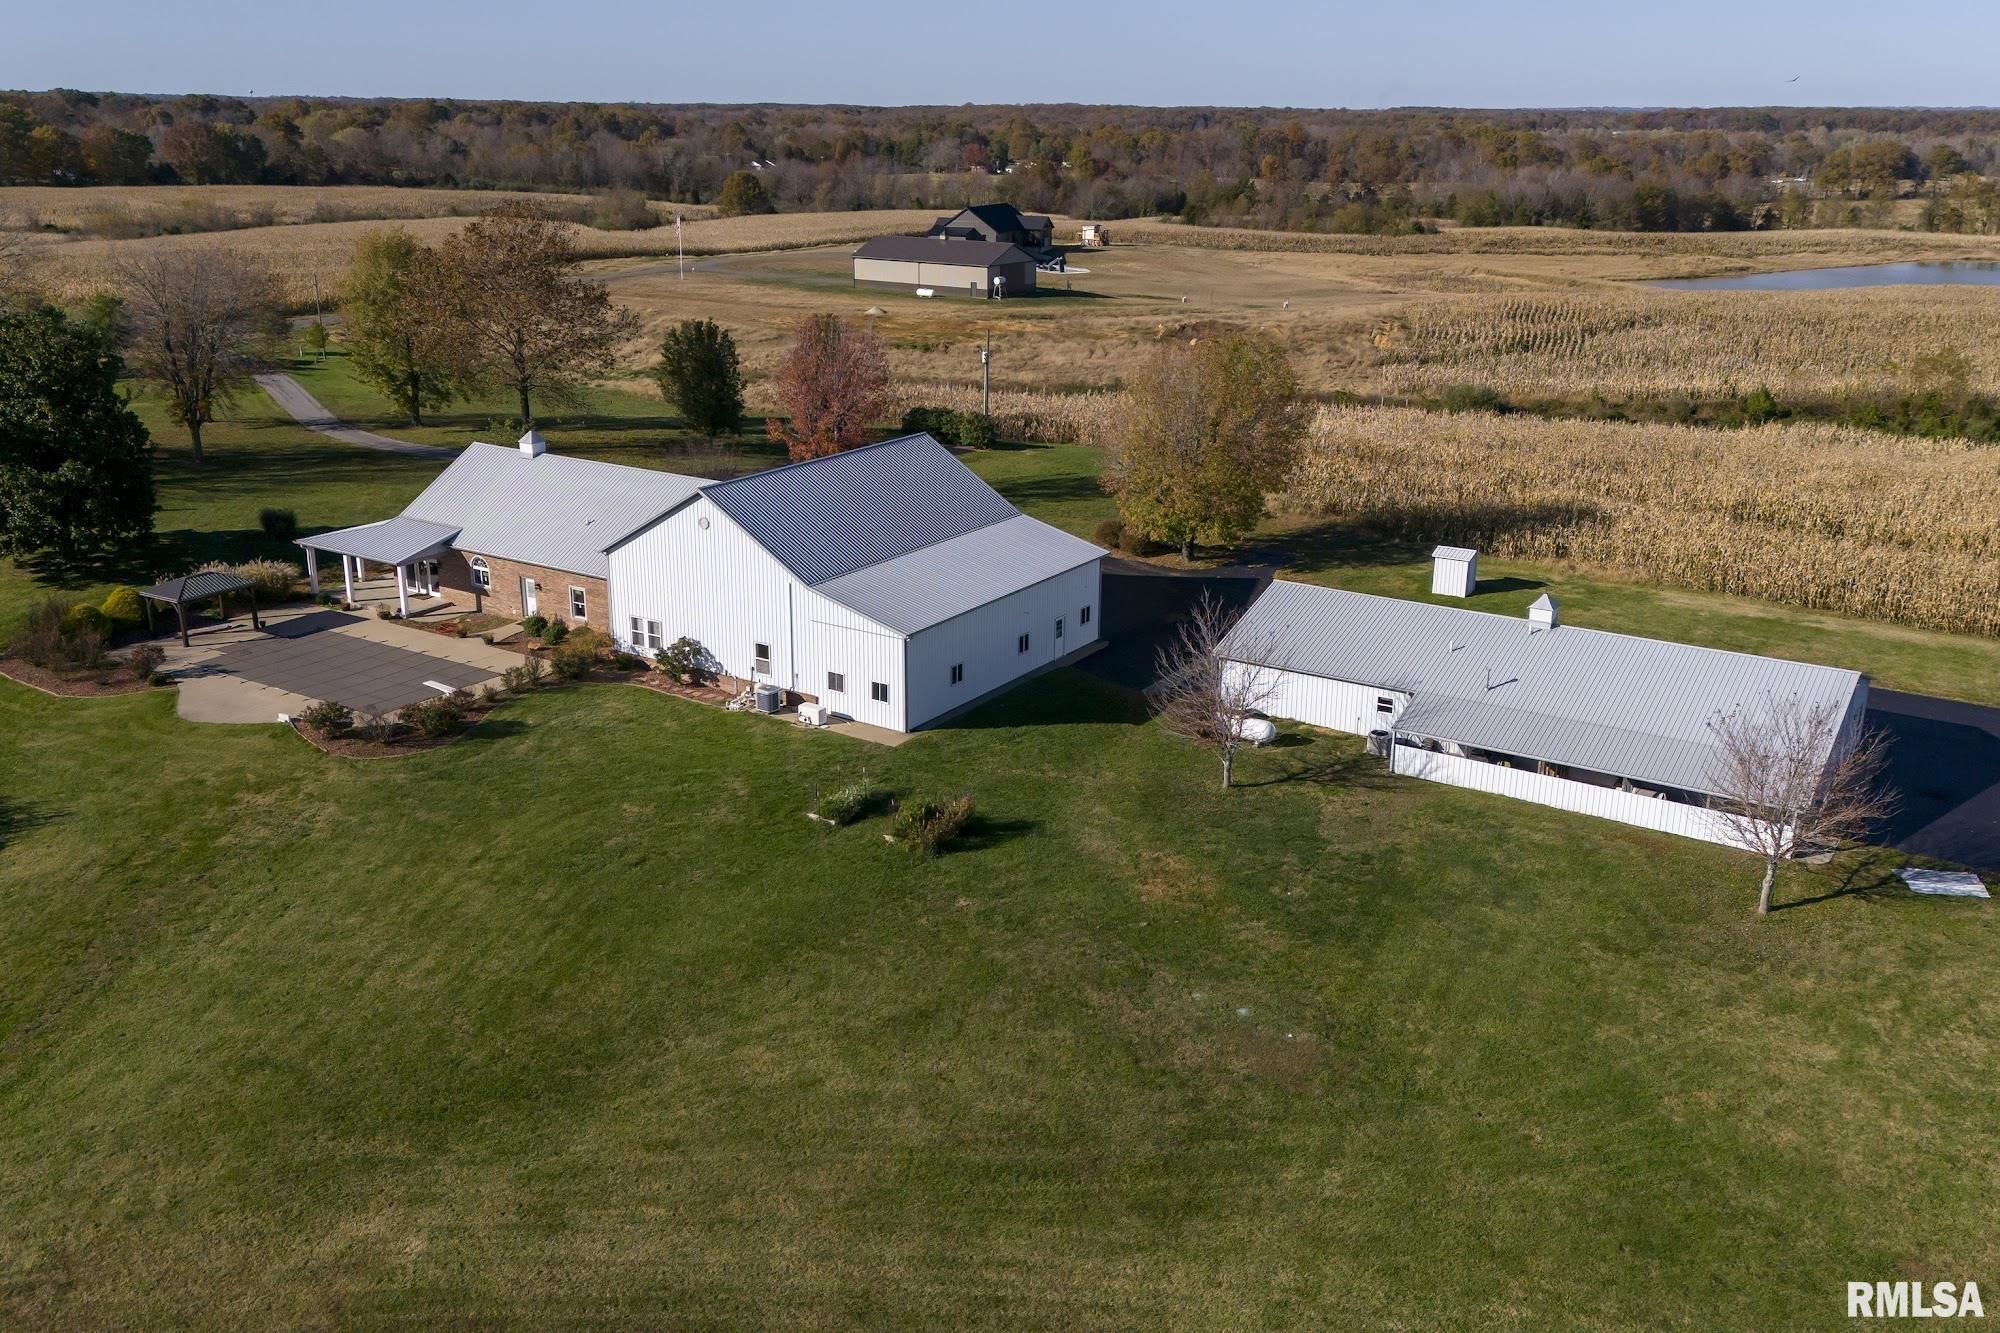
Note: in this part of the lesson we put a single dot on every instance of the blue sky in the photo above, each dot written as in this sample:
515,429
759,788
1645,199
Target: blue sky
1448,52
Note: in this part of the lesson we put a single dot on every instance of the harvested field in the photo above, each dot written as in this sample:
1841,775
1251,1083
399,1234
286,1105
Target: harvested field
74,268
25,207
1864,524
1658,344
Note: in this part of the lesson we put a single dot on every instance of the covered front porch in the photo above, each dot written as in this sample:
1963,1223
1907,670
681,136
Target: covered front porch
411,547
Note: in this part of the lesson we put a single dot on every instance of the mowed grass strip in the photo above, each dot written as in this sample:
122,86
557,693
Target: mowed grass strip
580,1019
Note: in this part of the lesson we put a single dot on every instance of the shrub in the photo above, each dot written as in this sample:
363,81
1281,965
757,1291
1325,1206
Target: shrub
145,660
385,613
625,661
940,422
328,716
850,803
272,580
1471,398
122,606
929,825
40,640
527,676
622,210
280,525
441,716
975,431
1110,534
577,653
535,625
84,616
159,679
556,631
684,660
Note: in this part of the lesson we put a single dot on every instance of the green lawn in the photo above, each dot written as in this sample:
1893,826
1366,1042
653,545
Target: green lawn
580,1021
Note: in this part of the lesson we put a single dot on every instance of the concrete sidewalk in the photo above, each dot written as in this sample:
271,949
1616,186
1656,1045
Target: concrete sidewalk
289,394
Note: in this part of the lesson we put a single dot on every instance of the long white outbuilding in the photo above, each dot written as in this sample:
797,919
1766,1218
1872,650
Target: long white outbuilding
1605,724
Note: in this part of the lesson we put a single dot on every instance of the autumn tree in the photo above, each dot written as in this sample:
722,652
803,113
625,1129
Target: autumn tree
197,314
1213,426
833,385
512,312
1785,783
388,340
742,193
701,375
75,463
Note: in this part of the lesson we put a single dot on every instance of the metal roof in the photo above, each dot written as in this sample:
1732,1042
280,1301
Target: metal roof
1454,553
562,513
196,587
930,585
943,250
391,541
1611,703
829,516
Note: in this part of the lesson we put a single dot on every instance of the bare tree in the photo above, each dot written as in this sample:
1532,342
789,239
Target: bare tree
511,310
1786,785
1206,699
196,315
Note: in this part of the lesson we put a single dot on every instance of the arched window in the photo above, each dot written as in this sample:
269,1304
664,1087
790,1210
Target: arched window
482,577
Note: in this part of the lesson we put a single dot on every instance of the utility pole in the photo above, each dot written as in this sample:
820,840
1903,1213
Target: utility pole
986,376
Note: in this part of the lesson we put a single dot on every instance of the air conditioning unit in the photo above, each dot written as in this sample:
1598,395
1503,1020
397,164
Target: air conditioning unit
768,699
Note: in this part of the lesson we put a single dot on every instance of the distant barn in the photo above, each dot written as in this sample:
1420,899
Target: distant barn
945,266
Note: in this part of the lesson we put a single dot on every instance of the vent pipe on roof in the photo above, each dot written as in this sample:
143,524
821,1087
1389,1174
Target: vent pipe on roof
533,445
1542,612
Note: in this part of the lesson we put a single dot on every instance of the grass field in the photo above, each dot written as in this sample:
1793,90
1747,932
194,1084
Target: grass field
580,1020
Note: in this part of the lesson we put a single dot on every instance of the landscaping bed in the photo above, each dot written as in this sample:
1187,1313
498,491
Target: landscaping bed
85,683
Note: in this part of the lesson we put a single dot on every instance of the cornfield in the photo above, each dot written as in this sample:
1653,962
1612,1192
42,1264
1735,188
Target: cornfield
1052,418
72,208
1849,521
1705,345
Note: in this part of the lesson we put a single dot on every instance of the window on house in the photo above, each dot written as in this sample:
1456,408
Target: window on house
1083,616
653,639
1059,627
763,658
836,682
577,610
1384,704
958,673
646,634
482,577
1021,644
878,692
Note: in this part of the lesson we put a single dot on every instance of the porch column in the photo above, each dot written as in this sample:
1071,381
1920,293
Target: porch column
312,569
347,573
403,590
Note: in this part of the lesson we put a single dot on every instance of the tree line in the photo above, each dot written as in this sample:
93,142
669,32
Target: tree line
1307,170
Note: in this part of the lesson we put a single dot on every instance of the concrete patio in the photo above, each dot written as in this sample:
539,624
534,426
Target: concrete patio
231,672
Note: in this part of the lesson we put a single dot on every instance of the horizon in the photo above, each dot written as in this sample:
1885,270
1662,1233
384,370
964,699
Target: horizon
1559,55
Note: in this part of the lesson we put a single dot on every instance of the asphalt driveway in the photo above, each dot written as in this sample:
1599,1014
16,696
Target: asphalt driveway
1944,766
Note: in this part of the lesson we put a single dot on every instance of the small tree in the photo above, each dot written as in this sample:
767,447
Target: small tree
76,466
700,373
833,385
510,308
1203,698
1213,427
196,316
1785,787
388,340
742,193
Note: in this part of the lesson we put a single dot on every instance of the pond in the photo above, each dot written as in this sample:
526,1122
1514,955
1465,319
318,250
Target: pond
1976,273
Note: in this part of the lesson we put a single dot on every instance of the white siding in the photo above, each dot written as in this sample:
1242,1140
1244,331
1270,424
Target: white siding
833,638
713,584
1337,705
986,640
1689,821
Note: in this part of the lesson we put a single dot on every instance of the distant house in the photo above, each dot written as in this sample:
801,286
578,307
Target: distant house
997,222
1602,724
945,266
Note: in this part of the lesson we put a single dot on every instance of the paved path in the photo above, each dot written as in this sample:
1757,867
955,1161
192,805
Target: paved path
289,394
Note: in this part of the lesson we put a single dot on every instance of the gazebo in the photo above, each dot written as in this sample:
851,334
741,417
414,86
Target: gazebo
194,589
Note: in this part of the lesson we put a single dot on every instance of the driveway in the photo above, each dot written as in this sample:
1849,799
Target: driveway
289,394
234,673
1944,766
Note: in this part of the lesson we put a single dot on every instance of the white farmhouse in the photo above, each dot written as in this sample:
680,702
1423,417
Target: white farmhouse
889,583
1603,724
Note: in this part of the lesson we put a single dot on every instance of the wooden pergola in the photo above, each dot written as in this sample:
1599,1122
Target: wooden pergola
194,589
